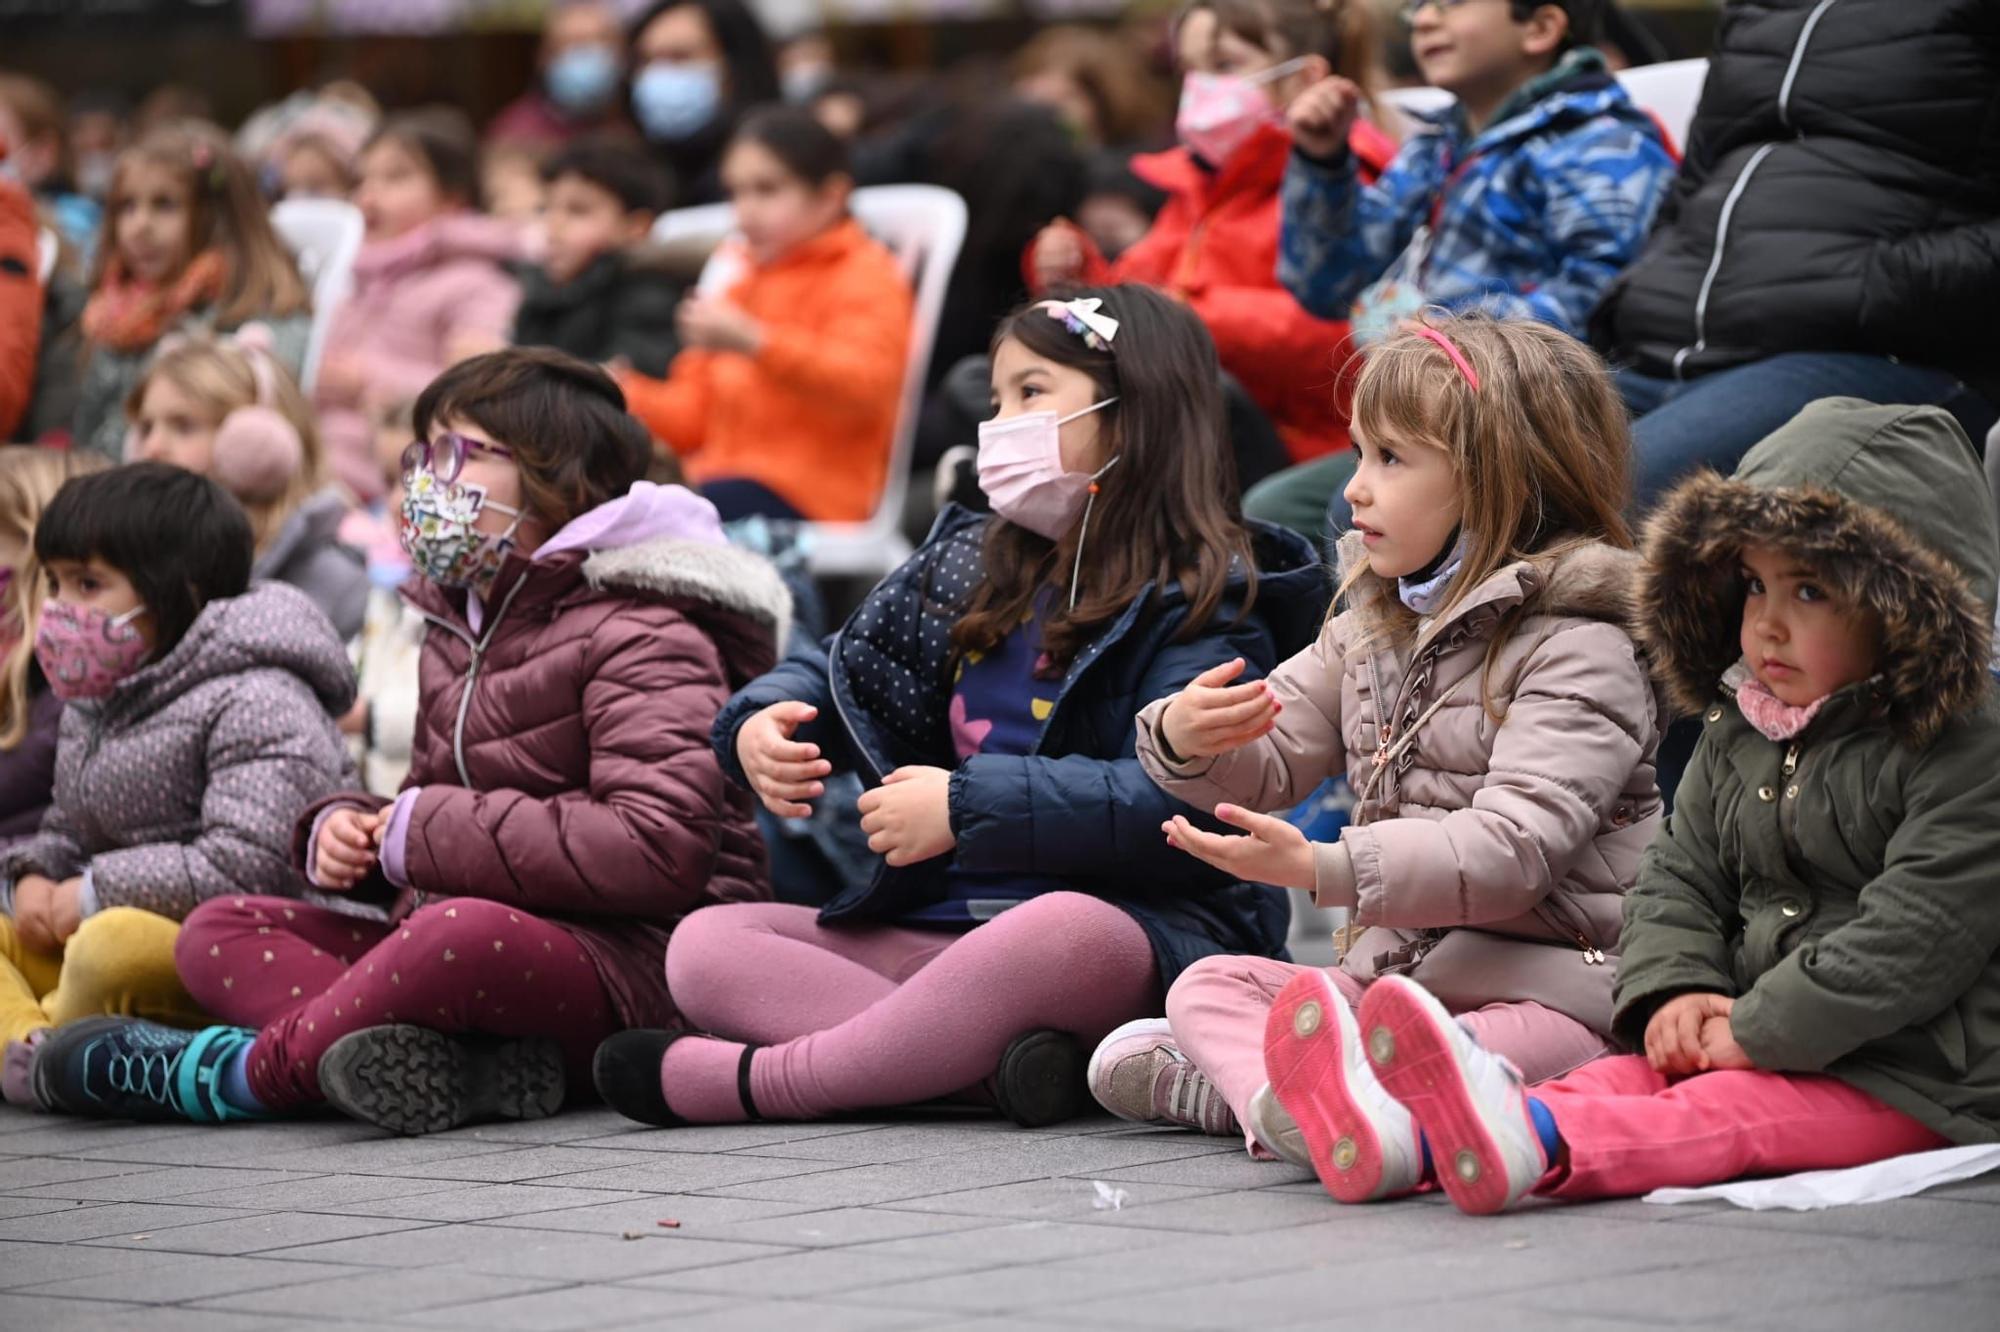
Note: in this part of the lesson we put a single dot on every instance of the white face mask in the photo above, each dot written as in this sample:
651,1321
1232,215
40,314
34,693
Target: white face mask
1021,471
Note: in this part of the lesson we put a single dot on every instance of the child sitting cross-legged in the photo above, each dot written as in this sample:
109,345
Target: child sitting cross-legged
1809,954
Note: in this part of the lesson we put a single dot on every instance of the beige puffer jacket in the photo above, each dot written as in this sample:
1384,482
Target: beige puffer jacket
1487,859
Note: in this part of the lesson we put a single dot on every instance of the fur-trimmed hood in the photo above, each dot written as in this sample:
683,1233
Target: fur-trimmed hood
1888,505
728,578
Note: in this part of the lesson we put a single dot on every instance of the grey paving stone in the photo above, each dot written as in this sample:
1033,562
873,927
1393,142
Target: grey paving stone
512,1163
38,1264
187,1276
837,1226
1222,1170
1932,1220
685,1172
410,1158
385,1295
320,1193
51,1136
883,1144
816,1272
36,1205
1049,1199
554,1255
27,1172
484,1202
173,1184
113,1219
580,1307
707,1139
799,1317
44,1314
698,1215
260,1233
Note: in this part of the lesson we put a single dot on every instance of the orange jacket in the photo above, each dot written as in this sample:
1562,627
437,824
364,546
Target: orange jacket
1215,246
811,415
20,304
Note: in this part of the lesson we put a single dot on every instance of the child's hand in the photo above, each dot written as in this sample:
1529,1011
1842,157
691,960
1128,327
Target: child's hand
1323,116
1718,1045
785,773
1058,256
1275,852
1674,1036
718,325
908,817
66,909
34,922
1212,717
346,848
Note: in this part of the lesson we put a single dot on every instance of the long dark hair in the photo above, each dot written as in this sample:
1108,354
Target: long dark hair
1166,514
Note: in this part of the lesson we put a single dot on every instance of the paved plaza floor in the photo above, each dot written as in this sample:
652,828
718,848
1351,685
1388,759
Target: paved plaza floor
588,1221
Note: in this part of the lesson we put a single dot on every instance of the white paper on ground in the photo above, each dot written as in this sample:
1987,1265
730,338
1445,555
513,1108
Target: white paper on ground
1108,1199
1897,1177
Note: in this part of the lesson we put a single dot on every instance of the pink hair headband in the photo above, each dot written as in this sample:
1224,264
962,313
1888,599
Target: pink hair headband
1451,349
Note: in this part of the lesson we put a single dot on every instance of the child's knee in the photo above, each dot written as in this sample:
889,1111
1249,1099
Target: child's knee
116,946
464,920
1195,990
699,953
207,928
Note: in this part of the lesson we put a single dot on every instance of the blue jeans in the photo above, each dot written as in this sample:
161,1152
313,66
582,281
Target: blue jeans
1713,421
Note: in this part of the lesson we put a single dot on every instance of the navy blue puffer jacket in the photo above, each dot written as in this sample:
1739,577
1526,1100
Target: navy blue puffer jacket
1079,813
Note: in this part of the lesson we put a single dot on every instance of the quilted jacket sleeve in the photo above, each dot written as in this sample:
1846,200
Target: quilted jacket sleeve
1681,915
641,840
1077,815
1338,235
270,754
1929,924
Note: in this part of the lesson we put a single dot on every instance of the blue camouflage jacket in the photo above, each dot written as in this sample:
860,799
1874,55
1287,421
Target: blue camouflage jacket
1531,217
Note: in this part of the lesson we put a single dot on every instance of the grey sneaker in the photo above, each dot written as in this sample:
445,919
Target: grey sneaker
1139,1074
1274,1128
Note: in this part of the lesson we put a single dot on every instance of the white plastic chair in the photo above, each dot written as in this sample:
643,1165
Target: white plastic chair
324,236
1670,90
924,227
50,251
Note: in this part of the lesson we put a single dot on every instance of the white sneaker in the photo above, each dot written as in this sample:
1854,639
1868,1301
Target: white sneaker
1138,1073
1275,1130
1357,1138
1469,1103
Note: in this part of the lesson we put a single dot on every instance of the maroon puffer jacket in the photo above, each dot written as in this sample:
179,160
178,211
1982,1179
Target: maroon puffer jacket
562,749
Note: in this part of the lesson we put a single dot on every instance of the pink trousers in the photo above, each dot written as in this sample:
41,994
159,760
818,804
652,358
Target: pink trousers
876,1015
1218,1007
1628,1130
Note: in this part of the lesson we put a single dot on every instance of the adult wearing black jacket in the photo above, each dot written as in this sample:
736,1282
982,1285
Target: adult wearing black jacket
1835,229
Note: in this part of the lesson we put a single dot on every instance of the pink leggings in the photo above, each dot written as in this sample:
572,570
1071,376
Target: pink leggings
877,1015
1627,1130
306,976
1218,1007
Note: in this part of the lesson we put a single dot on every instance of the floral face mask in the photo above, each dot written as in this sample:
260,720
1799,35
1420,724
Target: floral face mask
439,536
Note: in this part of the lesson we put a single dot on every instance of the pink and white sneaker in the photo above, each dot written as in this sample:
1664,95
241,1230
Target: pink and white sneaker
1359,1140
1138,1073
1469,1103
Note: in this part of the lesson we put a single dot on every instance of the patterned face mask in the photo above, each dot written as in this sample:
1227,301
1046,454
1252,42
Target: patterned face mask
84,651
438,534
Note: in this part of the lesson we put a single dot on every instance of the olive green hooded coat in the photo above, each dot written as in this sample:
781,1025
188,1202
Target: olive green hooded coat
1843,887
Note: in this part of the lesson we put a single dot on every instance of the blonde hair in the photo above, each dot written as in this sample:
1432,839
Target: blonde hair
219,377
29,479
1541,448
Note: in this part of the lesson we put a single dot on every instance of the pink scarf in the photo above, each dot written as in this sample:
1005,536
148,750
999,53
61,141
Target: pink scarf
1774,718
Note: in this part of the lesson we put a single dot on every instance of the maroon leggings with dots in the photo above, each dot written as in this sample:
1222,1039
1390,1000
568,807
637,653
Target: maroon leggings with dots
306,976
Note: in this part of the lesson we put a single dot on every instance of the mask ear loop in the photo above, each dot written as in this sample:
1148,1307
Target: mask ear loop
1083,530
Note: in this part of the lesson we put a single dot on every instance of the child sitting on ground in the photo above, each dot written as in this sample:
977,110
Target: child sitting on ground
597,294
563,812
228,410
1479,689
1809,954
200,722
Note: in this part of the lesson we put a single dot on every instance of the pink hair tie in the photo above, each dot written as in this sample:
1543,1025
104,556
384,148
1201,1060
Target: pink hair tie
1450,349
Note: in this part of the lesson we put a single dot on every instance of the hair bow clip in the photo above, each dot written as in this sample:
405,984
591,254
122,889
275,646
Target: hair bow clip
1082,317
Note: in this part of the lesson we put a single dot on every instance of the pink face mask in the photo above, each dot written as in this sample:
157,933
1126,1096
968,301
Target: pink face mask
1220,112
1021,471
86,652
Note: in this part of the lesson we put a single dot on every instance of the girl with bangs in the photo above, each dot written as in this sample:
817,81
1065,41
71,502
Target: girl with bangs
1024,904
187,248
1478,687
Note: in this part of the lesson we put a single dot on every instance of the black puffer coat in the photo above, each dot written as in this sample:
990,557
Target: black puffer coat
1841,192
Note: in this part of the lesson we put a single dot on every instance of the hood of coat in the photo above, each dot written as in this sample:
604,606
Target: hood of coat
273,626
1588,580
453,236
313,524
1889,505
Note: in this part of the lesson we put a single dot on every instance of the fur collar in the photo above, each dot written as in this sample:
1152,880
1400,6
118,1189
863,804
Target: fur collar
724,576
